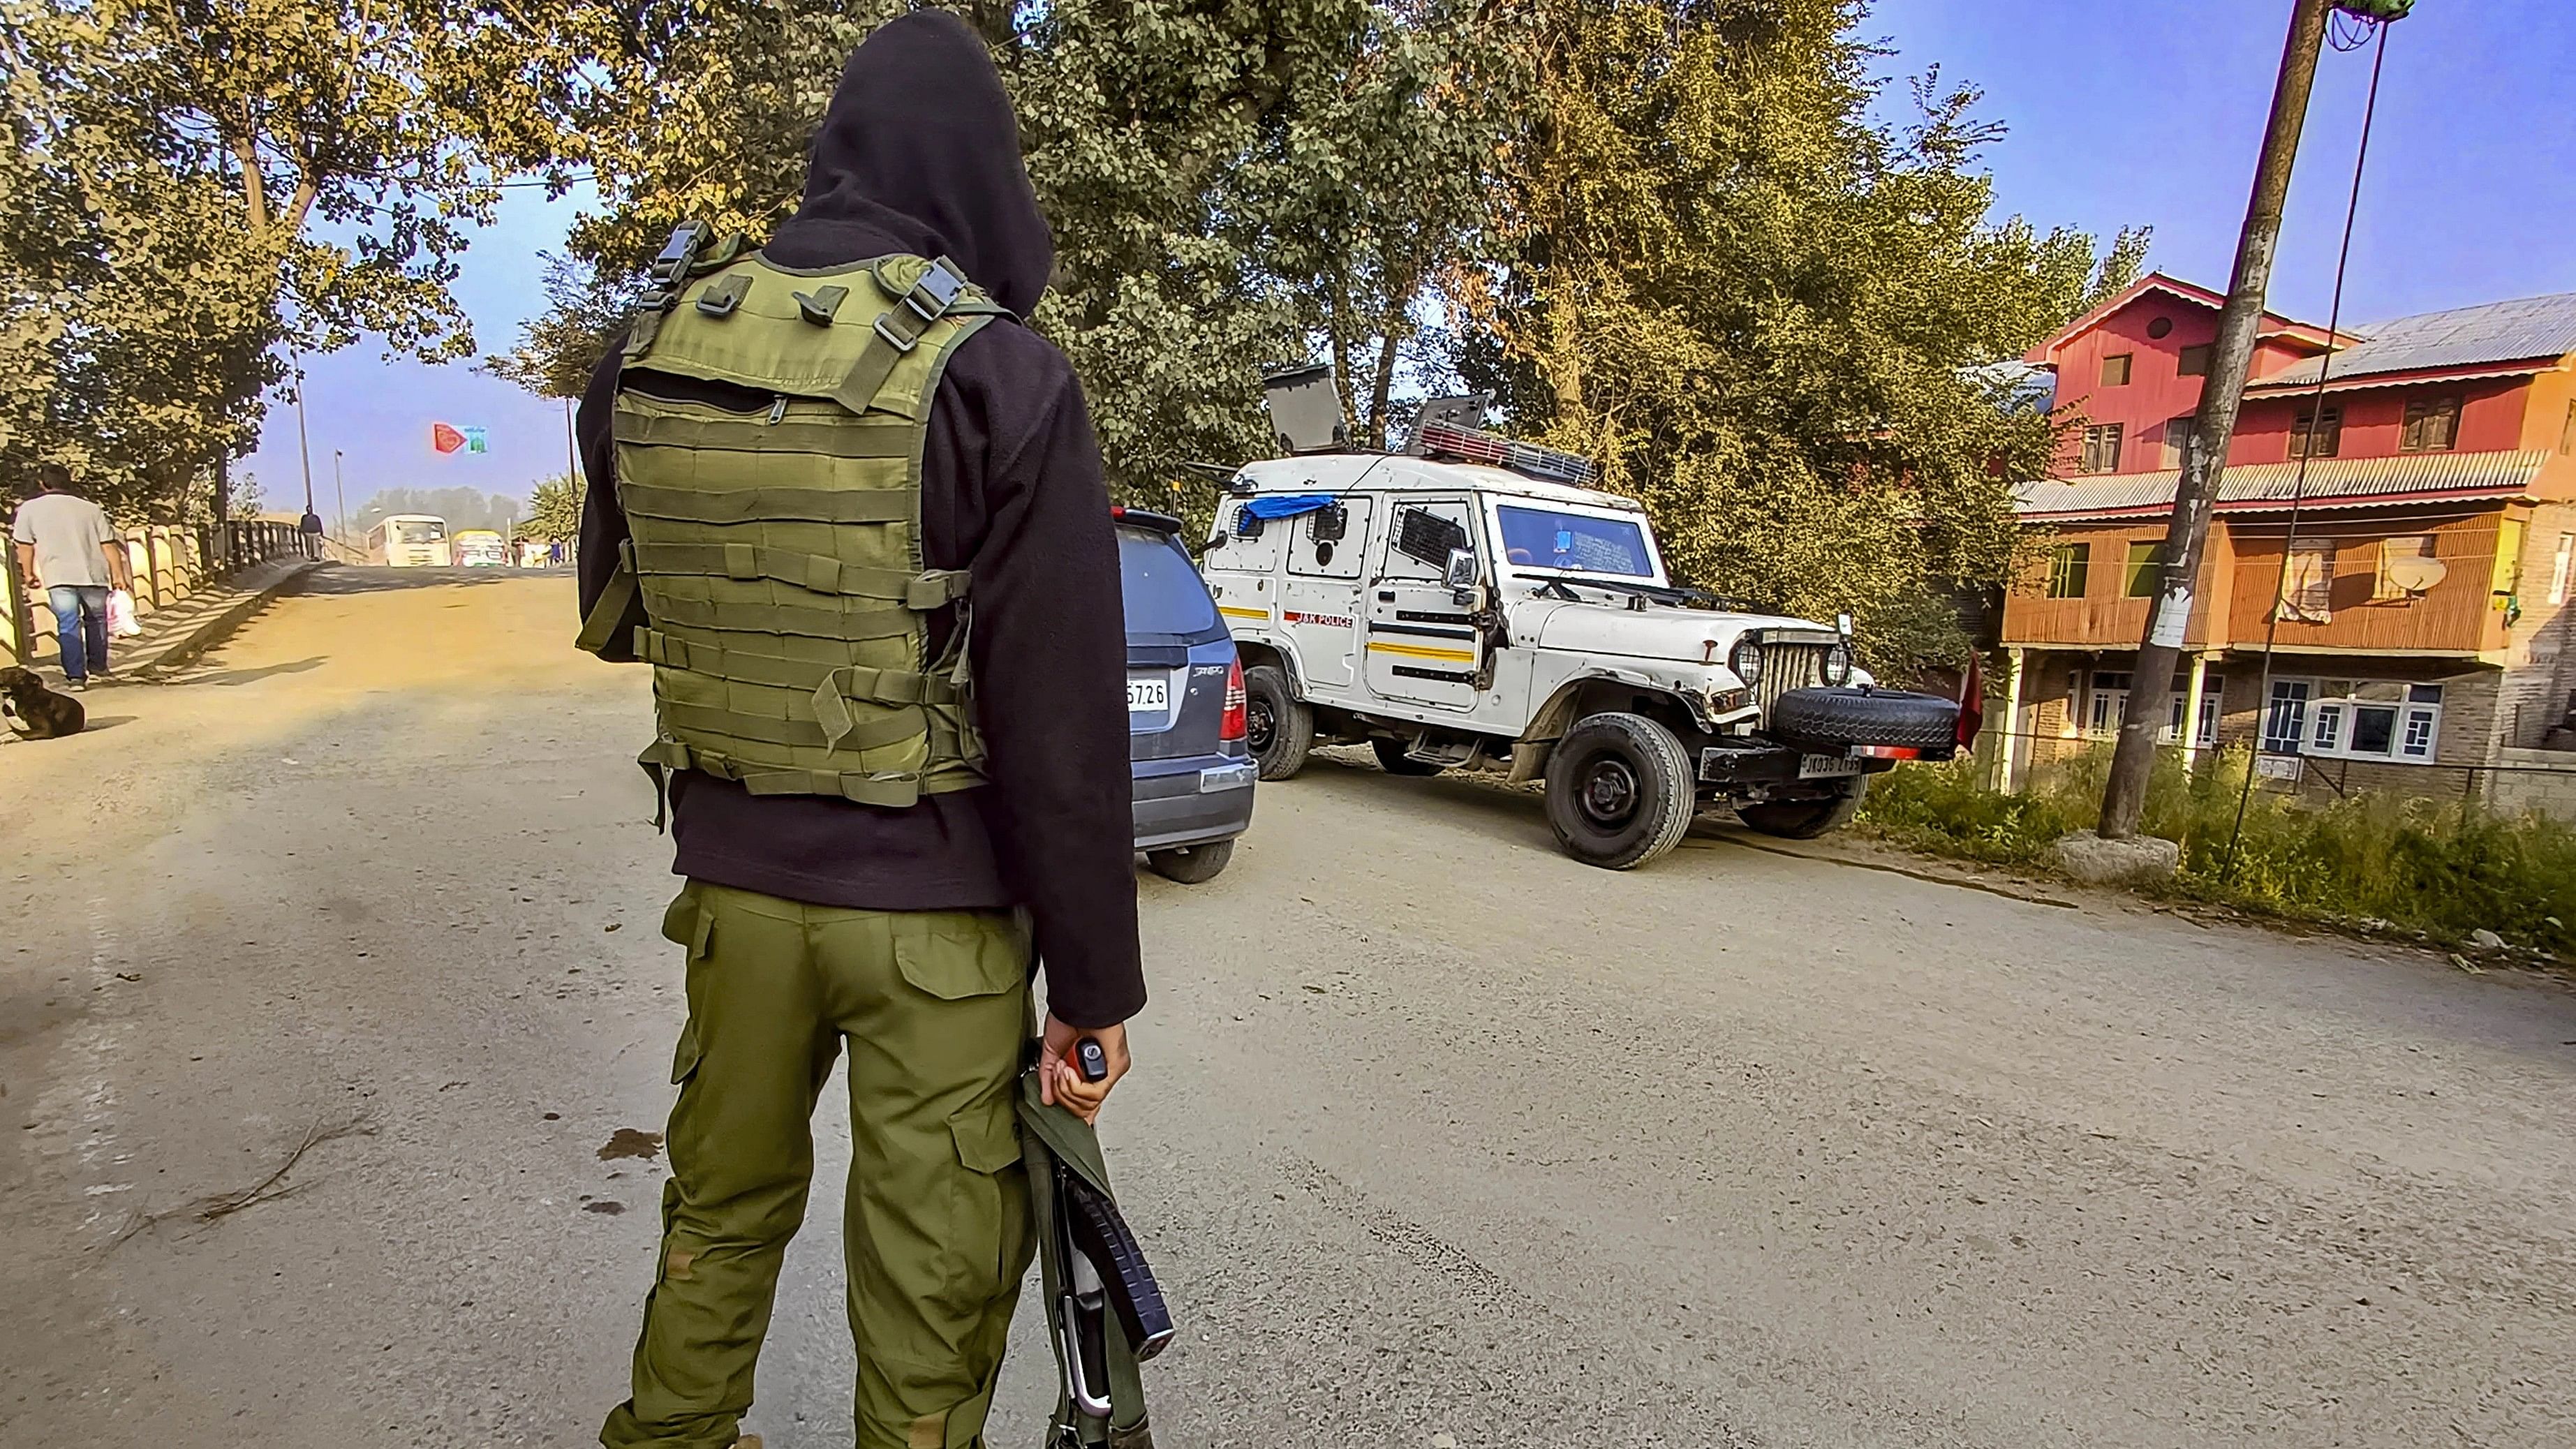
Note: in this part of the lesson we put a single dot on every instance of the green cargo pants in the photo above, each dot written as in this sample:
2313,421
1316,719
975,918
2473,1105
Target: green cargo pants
935,1007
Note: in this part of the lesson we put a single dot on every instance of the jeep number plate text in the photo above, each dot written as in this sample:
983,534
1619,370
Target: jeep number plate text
1148,694
1810,767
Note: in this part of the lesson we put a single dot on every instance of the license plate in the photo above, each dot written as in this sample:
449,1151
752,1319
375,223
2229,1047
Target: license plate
1149,695
1825,767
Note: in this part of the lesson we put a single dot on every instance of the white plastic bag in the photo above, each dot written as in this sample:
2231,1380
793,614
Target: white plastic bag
120,615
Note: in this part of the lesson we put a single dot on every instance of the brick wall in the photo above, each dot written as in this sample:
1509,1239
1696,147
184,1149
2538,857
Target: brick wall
2542,780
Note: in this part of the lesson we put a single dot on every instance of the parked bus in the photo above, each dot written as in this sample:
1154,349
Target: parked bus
480,548
410,540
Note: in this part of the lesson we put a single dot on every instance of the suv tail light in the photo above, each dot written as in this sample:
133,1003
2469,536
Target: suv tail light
1234,726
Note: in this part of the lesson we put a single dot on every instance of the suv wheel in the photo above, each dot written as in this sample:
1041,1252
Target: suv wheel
1805,819
1191,864
1619,791
1391,757
1278,727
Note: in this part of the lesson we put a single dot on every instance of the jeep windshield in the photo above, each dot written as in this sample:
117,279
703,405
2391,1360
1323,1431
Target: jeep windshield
1562,541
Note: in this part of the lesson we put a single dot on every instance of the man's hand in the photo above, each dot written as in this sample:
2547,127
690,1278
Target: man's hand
1060,1082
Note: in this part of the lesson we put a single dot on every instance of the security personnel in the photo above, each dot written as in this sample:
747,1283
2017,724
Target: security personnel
851,512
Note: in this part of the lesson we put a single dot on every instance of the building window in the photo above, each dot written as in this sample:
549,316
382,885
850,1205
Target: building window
2395,551
2567,434
2285,724
2161,328
2193,361
2107,703
2432,425
2115,369
2317,434
2146,569
2178,433
2558,567
2355,719
2068,565
2102,448
2213,699
2307,595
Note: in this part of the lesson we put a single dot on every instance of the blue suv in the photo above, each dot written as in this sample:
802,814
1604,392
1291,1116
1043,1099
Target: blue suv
1186,723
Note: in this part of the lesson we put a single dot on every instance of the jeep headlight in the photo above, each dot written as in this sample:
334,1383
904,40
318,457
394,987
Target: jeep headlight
1746,660
1838,664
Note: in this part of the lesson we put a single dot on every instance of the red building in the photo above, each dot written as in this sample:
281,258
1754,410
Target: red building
2420,620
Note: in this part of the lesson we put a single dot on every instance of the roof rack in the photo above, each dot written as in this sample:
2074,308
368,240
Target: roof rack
1475,445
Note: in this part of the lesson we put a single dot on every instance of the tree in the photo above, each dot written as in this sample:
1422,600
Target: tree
554,511
1254,181
258,174
1769,318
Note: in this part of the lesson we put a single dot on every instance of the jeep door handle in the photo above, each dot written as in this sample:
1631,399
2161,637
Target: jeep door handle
1386,596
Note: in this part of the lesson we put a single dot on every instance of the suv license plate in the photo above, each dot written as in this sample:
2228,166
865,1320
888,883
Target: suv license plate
1822,767
1148,694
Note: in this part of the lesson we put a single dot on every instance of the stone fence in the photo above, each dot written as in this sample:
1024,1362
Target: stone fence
170,563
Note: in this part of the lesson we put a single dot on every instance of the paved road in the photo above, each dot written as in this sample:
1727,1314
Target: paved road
1440,1139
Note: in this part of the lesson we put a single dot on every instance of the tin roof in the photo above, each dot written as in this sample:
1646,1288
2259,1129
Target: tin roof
2332,483
2528,329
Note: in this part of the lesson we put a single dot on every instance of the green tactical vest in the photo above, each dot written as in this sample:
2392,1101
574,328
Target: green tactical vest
777,552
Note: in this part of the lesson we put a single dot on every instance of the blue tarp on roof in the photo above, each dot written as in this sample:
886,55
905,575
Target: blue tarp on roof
1288,505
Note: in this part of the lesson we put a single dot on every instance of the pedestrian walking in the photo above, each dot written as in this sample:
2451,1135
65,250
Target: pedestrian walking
68,555
852,512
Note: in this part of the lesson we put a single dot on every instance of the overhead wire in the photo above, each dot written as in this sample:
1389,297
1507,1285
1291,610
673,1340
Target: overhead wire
2367,29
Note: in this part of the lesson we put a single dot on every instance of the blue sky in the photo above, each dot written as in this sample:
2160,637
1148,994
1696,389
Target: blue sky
2120,114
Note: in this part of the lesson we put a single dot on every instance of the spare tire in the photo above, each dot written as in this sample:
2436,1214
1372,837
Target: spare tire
1834,718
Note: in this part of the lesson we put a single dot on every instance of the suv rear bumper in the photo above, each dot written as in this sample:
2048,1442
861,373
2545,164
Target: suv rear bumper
1195,801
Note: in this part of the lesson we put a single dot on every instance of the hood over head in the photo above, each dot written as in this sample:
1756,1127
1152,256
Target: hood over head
920,143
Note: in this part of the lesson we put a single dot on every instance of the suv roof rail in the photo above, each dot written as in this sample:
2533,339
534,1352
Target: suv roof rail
1475,445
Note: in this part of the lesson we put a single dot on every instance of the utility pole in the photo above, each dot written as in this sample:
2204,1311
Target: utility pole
2196,494
303,444
572,460
339,499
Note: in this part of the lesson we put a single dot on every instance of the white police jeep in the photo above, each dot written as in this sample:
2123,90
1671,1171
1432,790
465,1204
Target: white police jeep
1469,605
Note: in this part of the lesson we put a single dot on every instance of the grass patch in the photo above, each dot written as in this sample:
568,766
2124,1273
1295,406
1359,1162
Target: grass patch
2445,868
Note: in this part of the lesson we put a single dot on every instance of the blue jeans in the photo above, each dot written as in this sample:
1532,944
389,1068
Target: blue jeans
80,623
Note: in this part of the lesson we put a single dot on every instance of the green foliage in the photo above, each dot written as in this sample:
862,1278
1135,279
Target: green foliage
191,185
554,511
1766,316
2443,867
1230,185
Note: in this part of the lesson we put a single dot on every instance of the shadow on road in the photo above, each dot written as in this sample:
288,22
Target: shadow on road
378,579
232,677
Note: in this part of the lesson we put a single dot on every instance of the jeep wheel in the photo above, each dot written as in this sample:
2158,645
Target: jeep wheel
1391,757
1278,727
1619,791
1805,819
1191,864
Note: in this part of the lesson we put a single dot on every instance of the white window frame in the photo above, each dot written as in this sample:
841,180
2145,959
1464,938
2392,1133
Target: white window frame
2559,566
2326,722
2105,704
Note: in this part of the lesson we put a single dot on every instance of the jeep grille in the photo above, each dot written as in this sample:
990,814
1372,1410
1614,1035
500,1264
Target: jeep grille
1786,667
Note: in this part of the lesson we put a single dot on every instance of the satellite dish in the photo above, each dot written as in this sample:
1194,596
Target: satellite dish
2416,574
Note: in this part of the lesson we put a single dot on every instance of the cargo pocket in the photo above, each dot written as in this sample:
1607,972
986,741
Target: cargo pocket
987,1229
688,922
957,954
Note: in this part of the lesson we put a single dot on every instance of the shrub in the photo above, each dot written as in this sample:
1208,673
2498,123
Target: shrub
2443,867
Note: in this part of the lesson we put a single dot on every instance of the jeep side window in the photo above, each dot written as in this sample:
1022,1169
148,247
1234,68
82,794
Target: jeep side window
1423,537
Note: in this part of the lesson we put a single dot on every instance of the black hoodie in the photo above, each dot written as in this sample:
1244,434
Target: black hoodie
920,153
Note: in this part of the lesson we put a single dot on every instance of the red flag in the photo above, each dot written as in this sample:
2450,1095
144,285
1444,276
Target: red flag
1972,700
444,438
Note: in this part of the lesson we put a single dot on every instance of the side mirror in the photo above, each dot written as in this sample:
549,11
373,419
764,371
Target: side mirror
1460,576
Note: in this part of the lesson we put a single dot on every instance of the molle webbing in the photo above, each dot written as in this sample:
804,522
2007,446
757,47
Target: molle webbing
777,550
